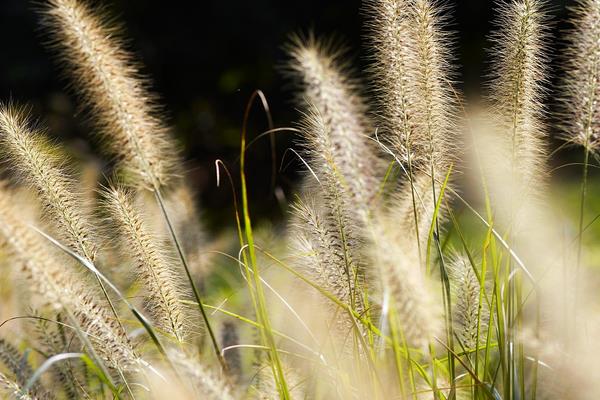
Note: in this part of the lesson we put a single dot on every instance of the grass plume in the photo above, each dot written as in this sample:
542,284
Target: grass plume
402,275
322,254
36,162
336,126
470,315
110,83
581,84
390,24
434,108
408,295
517,88
62,289
153,266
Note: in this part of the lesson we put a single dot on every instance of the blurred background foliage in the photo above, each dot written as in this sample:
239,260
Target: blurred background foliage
205,58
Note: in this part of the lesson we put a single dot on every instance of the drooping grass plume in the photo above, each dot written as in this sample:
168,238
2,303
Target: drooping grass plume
517,89
126,113
37,163
110,83
60,288
581,84
337,128
34,160
367,248
470,314
335,132
155,269
342,215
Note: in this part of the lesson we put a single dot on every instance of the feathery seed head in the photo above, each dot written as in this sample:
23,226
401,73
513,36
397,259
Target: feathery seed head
517,87
581,102
111,85
323,253
32,158
412,71
401,275
470,315
397,235
336,127
434,100
393,61
61,289
153,265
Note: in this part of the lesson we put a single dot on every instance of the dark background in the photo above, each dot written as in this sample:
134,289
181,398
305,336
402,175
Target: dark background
205,58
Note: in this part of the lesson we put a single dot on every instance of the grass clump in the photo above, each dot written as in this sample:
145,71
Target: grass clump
418,261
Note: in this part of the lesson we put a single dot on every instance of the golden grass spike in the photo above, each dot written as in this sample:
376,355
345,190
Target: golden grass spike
342,215
50,277
162,289
110,83
582,81
517,89
34,160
